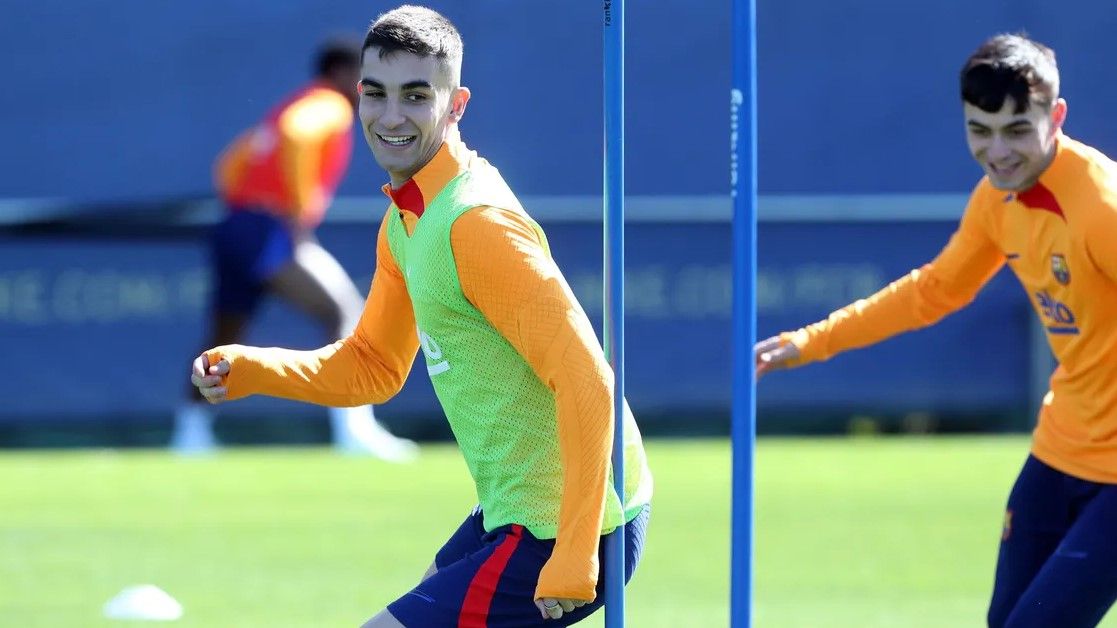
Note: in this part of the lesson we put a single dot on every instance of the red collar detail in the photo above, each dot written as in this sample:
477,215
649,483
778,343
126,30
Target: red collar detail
1041,198
409,198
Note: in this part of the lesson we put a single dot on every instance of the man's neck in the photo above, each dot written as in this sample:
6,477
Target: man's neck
1050,157
1047,161
398,182
399,179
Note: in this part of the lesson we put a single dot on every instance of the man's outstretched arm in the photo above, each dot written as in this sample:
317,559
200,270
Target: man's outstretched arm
367,367
920,298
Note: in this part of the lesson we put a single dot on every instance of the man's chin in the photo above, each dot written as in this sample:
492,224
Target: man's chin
390,165
1015,184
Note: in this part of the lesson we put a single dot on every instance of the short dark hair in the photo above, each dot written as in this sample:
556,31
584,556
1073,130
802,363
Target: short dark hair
337,53
1010,66
419,31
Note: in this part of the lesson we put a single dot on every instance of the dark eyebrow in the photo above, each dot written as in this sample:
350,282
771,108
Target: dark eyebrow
1011,126
375,84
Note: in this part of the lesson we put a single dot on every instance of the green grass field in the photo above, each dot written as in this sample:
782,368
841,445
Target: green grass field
896,532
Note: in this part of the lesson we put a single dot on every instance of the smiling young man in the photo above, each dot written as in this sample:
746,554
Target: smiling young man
1047,207
465,274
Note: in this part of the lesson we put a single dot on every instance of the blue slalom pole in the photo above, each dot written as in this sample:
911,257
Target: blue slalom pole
613,569
743,179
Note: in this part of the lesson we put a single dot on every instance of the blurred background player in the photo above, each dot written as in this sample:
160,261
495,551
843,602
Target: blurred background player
277,179
1048,207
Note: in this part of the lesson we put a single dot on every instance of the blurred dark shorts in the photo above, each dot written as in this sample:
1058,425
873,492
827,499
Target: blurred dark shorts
248,247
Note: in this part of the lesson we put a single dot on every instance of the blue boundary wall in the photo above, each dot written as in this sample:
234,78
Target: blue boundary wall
105,326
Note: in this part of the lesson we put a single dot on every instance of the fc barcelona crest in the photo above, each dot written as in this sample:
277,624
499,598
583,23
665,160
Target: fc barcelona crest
1060,269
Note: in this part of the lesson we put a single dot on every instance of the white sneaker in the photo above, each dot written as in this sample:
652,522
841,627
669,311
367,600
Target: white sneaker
357,432
144,602
193,431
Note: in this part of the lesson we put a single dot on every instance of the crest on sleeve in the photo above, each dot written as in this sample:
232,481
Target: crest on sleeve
1060,269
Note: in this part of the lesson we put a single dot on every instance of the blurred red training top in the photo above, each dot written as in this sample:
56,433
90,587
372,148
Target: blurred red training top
292,161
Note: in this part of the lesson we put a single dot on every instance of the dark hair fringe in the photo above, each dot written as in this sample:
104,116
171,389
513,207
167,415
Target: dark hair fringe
416,30
1010,66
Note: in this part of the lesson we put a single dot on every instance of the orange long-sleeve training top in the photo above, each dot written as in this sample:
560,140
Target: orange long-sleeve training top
507,273
1060,239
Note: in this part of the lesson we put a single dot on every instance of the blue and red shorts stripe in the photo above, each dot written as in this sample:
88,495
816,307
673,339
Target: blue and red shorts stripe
487,579
479,595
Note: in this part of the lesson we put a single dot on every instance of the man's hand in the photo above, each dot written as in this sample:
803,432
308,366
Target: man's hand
771,355
210,380
553,608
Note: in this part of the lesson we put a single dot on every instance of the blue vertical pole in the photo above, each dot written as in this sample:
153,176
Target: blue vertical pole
613,569
743,179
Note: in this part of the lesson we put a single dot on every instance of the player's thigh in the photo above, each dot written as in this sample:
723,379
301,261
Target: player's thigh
492,587
1078,583
315,283
309,253
464,541
1037,517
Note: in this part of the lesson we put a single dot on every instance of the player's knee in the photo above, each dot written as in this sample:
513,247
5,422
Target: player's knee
383,619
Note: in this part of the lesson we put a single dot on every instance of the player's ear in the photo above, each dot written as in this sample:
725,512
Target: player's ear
458,101
1058,114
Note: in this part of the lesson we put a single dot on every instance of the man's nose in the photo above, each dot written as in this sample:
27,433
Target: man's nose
998,148
392,116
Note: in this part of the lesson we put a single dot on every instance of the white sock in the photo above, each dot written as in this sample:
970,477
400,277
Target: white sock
193,430
356,430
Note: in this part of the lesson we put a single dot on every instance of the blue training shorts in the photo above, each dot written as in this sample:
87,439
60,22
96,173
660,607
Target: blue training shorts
248,248
488,579
1058,557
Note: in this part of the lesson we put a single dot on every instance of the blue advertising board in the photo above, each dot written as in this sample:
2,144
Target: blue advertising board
108,326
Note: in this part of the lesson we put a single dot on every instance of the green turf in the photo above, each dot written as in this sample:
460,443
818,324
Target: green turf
850,532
